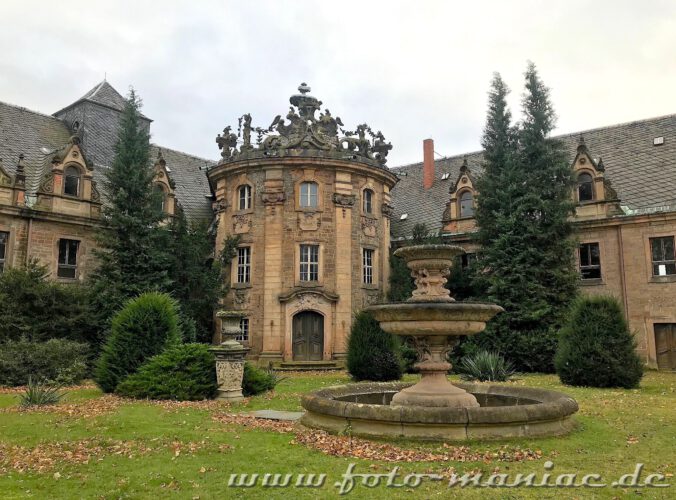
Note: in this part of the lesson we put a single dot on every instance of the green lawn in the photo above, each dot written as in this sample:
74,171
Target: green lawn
102,447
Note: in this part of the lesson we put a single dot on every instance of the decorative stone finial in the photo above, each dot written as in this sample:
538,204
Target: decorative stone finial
20,167
304,88
581,145
464,167
600,166
160,158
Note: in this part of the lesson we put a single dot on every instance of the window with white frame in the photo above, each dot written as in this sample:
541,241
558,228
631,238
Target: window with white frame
244,265
309,262
368,201
4,243
243,330
244,196
367,266
67,265
590,261
308,195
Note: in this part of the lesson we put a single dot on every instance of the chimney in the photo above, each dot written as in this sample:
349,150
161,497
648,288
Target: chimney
428,163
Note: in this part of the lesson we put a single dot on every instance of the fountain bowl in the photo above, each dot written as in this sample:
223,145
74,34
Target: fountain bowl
505,411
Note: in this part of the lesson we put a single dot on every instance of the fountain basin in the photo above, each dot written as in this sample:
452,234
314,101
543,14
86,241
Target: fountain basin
505,411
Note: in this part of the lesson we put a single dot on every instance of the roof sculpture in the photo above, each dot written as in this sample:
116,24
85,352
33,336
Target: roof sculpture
304,134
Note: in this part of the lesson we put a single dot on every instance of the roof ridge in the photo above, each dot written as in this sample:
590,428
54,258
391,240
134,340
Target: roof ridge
23,108
95,90
163,148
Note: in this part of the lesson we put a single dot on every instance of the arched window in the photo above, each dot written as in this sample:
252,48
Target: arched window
71,185
585,187
467,204
368,201
244,197
160,198
308,195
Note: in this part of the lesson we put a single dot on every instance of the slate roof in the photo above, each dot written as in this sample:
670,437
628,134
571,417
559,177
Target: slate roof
102,93
39,136
35,135
644,175
192,186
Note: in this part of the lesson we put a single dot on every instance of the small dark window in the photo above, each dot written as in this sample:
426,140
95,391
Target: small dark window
160,198
308,195
244,330
368,201
4,241
71,185
244,265
309,262
590,261
467,260
68,259
467,204
244,194
585,187
664,263
367,263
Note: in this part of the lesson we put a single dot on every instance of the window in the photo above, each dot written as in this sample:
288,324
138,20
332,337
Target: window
367,266
67,267
467,204
467,259
244,330
662,249
71,185
4,241
309,262
244,196
244,265
159,198
308,195
368,201
590,261
585,187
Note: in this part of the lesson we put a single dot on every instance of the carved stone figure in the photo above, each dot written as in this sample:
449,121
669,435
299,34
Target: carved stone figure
227,142
246,132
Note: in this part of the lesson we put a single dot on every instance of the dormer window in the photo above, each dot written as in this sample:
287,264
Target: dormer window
585,188
308,195
467,204
244,197
368,201
71,185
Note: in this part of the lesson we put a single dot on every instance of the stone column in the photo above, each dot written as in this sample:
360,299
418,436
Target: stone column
230,358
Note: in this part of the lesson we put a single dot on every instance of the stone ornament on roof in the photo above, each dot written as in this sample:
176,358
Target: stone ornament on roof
302,130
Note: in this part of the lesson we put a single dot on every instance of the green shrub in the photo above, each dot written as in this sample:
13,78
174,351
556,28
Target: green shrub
485,366
183,373
596,348
143,328
257,380
58,360
371,352
39,309
40,393
409,357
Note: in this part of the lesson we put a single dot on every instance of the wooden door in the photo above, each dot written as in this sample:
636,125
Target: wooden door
308,336
665,345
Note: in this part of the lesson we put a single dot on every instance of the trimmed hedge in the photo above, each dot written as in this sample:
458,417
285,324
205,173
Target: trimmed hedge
596,348
257,380
182,373
143,328
57,360
372,354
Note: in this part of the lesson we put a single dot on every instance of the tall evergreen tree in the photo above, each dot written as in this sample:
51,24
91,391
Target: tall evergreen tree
525,233
196,275
133,255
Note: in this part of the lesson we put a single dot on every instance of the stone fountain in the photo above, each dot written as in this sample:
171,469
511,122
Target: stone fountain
434,408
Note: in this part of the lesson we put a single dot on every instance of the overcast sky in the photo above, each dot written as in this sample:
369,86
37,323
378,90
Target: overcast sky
413,69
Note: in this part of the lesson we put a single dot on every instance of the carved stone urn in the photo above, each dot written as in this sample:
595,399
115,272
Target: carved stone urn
230,357
433,321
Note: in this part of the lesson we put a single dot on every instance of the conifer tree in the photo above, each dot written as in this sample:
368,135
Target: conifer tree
133,255
525,235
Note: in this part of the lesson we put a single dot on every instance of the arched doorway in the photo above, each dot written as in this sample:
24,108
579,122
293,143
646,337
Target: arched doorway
308,336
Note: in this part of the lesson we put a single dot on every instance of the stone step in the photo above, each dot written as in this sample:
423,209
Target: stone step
308,365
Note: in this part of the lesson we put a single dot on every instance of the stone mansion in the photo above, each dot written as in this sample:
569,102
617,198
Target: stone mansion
316,209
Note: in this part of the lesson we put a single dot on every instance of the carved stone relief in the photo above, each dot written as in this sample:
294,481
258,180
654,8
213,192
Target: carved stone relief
241,223
309,221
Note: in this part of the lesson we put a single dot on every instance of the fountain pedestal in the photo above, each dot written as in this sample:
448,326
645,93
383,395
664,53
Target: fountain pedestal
433,321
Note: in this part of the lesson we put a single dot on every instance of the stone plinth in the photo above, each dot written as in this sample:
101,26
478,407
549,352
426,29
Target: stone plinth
230,357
